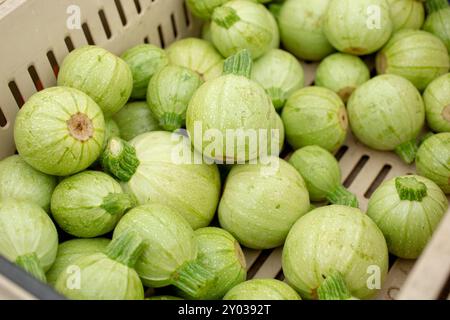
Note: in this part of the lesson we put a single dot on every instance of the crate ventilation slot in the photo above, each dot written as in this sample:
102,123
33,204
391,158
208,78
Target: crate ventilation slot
378,180
53,62
263,256
87,34
16,93
122,16
341,152
356,170
69,43
105,23
35,77
3,121
138,6
174,25
146,40
161,37
186,15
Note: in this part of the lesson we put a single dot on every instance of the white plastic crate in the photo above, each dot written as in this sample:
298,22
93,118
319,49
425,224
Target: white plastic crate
34,39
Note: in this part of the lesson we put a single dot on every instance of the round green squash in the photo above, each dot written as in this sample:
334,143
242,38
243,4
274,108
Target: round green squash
28,236
203,9
89,204
135,118
342,73
262,289
59,131
241,24
301,28
144,61
358,27
18,180
322,175
70,251
100,74
419,64
407,14
407,210
169,93
260,203
280,74
387,113
437,104
315,116
107,275
198,55
221,254
433,160
168,237
152,171
335,239
438,20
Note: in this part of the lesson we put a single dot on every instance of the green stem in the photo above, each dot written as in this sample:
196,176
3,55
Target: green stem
334,288
278,97
407,151
436,5
117,203
340,195
239,64
171,121
126,249
119,159
30,263
411,189
225,17
193,279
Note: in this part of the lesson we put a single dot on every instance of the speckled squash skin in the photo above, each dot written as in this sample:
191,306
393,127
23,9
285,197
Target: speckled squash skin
433,160
144,61
334,238
169,93
230,102
315,116
262,289
100,74
240,24
259,208
203,9
342,73
221,254
135,118
89,204
166,235
160,179
407,14
102,278
419,64
18,180
407,225
25,228
386,112
45,139
70,251
301,28
349,28
437,104
280,74
198,55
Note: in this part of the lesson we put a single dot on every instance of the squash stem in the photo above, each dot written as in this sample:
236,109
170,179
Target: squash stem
126,249
117,203
407,151
193,279
239,64
120,159
340,195
30,263
278,97
334,288
225,17
171,121
411,189
436,5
